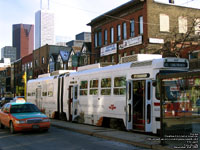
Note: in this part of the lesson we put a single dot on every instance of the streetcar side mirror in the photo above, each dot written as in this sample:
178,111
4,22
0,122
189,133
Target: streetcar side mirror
154,83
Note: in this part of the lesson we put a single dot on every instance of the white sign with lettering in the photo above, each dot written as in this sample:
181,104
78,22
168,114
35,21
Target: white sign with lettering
155,40
108,50
131,42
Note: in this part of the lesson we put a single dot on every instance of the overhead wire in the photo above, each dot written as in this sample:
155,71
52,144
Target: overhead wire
114,17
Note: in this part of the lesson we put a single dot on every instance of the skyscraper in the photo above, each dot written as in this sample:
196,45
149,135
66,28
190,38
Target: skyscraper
44,28
23,39
8,52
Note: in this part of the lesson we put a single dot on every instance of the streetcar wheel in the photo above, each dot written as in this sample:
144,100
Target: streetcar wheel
12,130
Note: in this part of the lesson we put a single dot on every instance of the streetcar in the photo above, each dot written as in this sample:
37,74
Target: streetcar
124,96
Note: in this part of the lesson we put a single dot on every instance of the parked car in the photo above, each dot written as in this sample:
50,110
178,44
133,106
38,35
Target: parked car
6,100
23,116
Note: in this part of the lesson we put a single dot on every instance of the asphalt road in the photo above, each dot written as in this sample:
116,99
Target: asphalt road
57,139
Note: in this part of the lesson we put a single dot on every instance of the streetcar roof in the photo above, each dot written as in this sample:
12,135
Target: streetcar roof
41,79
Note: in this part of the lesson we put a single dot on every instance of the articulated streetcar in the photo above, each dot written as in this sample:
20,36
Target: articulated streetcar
121,96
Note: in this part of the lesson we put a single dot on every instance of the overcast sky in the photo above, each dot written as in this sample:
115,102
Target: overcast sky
71,16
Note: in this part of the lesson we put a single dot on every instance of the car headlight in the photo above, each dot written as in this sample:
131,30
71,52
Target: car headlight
45,120
20,121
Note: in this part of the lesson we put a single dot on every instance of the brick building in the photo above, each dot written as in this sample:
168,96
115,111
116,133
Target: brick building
48,58
139,26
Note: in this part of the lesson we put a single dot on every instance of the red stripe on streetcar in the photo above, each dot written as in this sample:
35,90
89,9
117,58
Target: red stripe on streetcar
156,104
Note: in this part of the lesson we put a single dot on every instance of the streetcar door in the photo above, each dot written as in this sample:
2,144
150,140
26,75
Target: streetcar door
139,105
70,98
148,103
129,102
75,102
60,98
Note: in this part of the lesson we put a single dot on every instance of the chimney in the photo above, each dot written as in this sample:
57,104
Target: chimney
171,1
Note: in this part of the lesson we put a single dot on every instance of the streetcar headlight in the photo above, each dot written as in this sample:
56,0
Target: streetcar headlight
20,121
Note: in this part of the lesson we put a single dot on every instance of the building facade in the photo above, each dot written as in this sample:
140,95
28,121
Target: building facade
139,26
9,52
23,39
44,28
49,58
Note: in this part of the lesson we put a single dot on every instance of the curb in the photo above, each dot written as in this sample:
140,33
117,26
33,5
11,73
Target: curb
95,134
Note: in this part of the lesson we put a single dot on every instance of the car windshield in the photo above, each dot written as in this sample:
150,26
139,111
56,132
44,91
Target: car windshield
8,98
24,108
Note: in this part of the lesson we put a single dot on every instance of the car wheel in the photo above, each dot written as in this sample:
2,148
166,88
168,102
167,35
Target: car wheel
45,130
12,130
1,125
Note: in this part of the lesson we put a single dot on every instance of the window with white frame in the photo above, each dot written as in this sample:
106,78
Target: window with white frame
42,59
132,28
164,23
98,39
118,32
105,37
95,39
182,24
124,31
141,25
111,35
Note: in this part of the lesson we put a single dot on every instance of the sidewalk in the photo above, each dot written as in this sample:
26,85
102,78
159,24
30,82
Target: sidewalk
132,138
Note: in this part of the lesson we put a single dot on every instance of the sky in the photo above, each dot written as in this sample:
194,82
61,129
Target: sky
71,16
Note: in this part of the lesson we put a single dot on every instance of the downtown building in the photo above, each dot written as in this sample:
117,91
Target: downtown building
23,39
9,52
139,27
44,28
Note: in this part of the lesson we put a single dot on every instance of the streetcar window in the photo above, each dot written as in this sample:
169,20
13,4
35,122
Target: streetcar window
129,112
106,86
94,87
44,93
50,93
129,91
33,93
29,94
76,92
119,86
157,87
148,113
149,90
83,87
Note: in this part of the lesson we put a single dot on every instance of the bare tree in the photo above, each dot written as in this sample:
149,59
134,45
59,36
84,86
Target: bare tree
176,42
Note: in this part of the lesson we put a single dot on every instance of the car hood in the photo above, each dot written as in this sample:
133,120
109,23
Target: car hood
29,115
